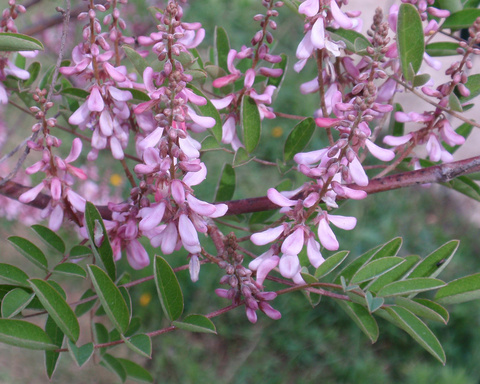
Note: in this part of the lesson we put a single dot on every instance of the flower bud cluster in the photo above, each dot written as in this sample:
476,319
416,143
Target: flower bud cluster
59,174
241,284
257,52
9,14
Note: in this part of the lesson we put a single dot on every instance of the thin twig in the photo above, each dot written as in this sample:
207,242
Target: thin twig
21,160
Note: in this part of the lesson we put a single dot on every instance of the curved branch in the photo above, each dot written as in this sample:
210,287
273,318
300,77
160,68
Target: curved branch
437,174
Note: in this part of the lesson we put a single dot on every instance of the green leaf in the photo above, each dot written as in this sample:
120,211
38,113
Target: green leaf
100,335
49,237
461,19
375,269
80,251
410,39
57,308
209,143
75,93
141,344
450,5
196,323
442,48
20,61
15,301
135,324
136,372
197,56
390,248
354,41
241,158
409,286
137,60
13,275
417,329
112,300
465,185
454,103
473,85
222,47
81,309
80,354
460,290
424,308
420,80
34,70
435,263
128,300
373,303
56,335
251,123
260,217
23,334
46,80
394,126
113,365
70,269
104,251
395,274
361,317
168,289
298,138
17,42
226,184
30,251
330,264
209,110
283,65
465,129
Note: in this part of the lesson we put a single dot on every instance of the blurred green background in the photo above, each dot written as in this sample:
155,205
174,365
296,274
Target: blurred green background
308,345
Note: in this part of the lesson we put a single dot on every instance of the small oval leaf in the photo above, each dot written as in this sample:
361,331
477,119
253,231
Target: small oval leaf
111,298
251,123
168,289
13,275
15,301
70,269
57,308
330,264
49,237
410,40
226,184
298,138
196,323
409,286
12,42
30,251
460,290
23,334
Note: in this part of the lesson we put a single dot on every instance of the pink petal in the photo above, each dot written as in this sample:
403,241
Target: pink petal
119,95
293,244
95,100
56,188
289,266
358,173
77,201
326,236
343,20
310,157
80,115
277,198
395,141
313,252
114,74
31,194
137,256
305,48
265,267
220,210
195,178
309,8
249,77
56,218
153,217
201,207
75,151
169,238
222,103
380,153
204,121
267,236
178,192
318,33
187,231
343,222
269,310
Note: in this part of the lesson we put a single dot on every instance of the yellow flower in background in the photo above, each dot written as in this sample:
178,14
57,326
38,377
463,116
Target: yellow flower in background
116,180
277,132
145,299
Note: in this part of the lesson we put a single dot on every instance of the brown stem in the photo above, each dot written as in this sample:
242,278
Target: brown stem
442,173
